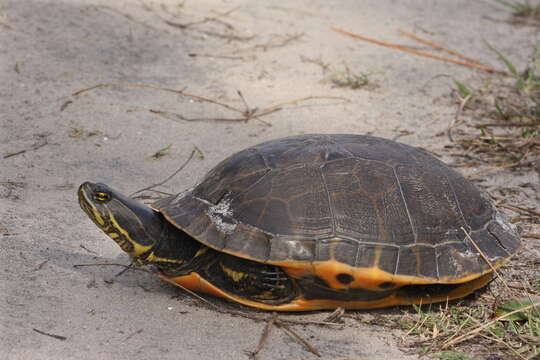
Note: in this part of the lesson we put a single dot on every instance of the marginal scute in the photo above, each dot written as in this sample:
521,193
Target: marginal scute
387,258
366,256
419,261
345,251
247,240
505,234
292,249
458,258
489,245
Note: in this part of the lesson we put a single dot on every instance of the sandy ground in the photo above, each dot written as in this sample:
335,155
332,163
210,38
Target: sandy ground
51,141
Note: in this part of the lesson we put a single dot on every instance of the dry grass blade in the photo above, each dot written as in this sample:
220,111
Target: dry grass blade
272,44
459,111
494,338
475,331
416,326
506,124
127,267
129,17
440,47
179,118
246,115
58,337
193,152
150,86
485,258
503,167
510,139
520,209
35,147
295,335
417,52
202,21
302,99
336,316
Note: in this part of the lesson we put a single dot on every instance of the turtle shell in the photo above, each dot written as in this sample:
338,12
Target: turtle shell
350,205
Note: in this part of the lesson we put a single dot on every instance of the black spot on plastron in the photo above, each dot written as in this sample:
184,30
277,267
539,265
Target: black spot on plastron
387,285
344,278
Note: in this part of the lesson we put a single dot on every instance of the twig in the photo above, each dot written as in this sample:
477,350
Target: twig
150,86
41,265
271,44
193,152
175,117
133,334
519,209
14,154
288,329
189,27
34,148
440,47
418,52
59,337
418,324
494,338
502,167
324,66
279,43
277,107
87,249
336,316
121,272
459,111
531,236
225,36
264,335
217,56
127,16
506,124
98,264
65,105
247,114
204,20
521,287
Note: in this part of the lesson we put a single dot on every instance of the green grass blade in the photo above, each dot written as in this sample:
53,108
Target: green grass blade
506,61
464,91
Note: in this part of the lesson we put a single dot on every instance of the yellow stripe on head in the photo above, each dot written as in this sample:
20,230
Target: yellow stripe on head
105,208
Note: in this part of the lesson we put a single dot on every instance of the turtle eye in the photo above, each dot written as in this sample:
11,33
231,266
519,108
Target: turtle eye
101,196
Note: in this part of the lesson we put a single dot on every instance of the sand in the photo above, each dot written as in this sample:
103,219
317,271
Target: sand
51,141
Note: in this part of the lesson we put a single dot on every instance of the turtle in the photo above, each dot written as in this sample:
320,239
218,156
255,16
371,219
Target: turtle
316,222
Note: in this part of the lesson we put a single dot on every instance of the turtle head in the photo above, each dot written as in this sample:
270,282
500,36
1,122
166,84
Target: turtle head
135,227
